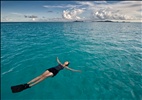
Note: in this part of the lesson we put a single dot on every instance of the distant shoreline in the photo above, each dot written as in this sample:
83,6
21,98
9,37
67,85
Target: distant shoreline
74,22
105,21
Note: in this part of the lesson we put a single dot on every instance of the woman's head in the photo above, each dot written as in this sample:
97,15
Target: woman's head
66,63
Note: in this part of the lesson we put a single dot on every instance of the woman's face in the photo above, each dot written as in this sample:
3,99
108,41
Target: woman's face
66,63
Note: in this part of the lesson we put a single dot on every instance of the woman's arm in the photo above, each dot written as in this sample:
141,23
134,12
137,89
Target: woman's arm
72,69
59,61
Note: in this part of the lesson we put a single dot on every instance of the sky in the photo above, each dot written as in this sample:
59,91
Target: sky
45,11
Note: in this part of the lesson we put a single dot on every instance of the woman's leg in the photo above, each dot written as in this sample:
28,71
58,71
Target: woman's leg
35,79
40,78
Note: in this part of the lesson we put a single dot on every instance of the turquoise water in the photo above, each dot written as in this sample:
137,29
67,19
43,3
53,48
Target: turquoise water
109,55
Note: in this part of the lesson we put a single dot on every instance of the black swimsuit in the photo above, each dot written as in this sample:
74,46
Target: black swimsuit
55,69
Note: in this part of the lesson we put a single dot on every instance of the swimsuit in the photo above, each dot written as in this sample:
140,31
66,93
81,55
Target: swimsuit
55,69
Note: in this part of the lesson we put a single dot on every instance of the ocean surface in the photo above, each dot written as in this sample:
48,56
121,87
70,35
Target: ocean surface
109,55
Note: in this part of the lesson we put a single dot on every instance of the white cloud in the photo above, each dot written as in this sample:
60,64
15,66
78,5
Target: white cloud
15,13
61,6
72,14
47,6
86,3
124,10
6,19
109,14
100,2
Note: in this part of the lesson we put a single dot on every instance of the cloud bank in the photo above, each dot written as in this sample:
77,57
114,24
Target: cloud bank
72,14
101,10
109,14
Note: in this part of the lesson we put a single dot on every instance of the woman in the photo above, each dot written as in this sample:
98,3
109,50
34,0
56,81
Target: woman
51,72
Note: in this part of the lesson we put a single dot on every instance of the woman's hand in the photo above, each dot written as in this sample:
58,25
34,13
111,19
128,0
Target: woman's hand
79,71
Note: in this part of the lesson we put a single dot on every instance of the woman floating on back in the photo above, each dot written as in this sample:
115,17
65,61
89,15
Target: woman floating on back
51,72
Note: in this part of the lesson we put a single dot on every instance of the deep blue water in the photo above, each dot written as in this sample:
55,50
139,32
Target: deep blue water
109,55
